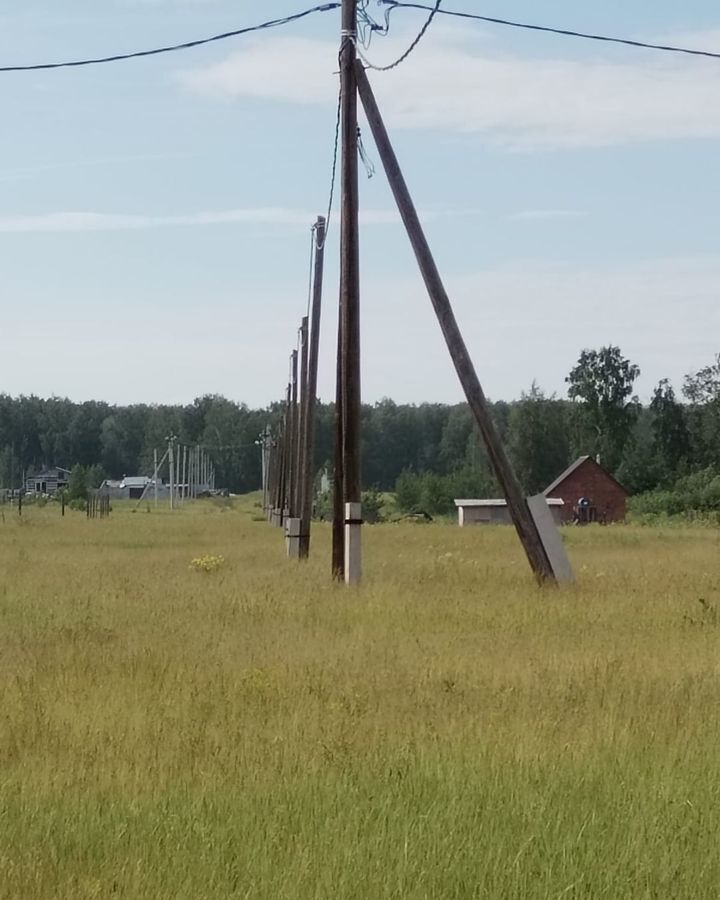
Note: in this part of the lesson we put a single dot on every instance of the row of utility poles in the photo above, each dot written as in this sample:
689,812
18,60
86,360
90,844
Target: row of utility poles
191,473
287,471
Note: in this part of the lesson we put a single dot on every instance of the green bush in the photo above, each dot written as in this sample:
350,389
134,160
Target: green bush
79,504
691,495
372,506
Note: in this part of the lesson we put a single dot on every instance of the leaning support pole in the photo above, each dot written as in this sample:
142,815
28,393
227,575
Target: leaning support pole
523,520
308,452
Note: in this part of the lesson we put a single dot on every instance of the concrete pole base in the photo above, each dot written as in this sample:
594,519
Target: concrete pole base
353,543
292,537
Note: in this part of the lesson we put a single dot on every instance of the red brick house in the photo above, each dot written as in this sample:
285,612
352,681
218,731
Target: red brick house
589,492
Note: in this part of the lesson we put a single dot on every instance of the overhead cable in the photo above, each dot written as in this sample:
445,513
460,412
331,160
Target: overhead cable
333,173
186,45
434,10
565,32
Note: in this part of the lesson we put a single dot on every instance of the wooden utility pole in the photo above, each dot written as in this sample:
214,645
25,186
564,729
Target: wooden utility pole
265,463
285,457
171,465
350,295
307,473
184,474
338,523
524,523
292,434
301,423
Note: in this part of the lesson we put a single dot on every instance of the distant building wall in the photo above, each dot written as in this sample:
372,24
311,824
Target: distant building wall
592,481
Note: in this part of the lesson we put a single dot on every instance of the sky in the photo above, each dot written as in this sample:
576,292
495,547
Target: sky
155,214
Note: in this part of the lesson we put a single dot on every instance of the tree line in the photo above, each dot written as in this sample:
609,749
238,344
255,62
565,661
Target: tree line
428,453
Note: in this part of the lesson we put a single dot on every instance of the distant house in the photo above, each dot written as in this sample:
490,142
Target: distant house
589,493
49,481
495,512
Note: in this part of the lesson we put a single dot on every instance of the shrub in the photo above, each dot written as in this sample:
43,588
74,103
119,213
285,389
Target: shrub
207,563
372,506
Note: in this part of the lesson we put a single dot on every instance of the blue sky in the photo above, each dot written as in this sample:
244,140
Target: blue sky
155,215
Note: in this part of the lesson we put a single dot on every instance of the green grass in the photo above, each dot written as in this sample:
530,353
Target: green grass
446,731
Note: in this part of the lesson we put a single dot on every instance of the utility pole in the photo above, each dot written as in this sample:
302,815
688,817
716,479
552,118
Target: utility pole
194,472
350,296
285,476
338,523
307,474
536,548
183,489
171,465
292,434
264,443
155,476
302,415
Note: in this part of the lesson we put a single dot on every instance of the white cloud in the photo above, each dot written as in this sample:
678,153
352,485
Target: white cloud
455,82
542,215
58,222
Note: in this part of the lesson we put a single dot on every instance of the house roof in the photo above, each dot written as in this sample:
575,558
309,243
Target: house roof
573,467
470,503
50,472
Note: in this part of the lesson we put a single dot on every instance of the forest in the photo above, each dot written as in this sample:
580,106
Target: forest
667,451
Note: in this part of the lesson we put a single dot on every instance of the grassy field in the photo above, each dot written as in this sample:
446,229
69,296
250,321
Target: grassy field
447,731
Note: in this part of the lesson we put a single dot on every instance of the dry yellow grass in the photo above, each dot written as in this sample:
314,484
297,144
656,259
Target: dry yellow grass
446,731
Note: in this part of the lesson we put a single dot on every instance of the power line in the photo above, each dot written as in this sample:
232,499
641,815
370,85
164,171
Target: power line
186,45
668,48
333,174
401,59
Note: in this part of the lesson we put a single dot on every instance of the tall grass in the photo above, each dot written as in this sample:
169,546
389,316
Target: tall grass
446,731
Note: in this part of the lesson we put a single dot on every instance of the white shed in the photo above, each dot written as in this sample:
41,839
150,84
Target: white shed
496,512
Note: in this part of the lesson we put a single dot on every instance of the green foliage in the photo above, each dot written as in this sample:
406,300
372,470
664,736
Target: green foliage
94,477
601,383
539,441
670,431
78,483
696,493
79,504
645,448
408,491
436,494
704,386
372,506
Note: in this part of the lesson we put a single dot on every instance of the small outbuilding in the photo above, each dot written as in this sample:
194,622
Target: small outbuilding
496,512
133,487
589,494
